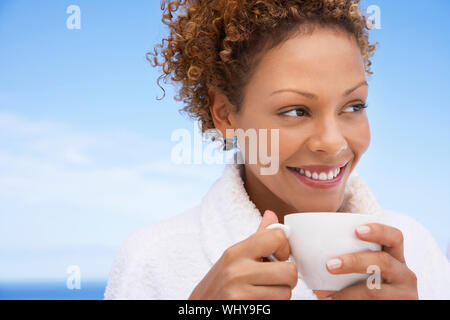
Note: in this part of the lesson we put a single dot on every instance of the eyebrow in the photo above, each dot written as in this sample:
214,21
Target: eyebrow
313,96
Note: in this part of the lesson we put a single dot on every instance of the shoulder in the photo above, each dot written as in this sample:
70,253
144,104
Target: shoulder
146,253
416,236
423,256
405,223
181,225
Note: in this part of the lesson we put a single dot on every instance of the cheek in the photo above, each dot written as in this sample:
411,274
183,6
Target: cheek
357,136
360,139
291,142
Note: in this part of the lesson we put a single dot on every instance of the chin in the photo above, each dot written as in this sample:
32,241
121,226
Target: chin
318,205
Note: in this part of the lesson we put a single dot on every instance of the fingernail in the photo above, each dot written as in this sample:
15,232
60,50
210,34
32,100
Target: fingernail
363,229
334,263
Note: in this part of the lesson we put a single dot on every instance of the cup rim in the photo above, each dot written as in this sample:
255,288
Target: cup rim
330,214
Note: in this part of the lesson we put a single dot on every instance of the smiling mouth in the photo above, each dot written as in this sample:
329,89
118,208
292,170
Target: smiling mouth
320,176
330,175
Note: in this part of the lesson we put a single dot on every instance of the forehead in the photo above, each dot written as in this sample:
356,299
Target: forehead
323,58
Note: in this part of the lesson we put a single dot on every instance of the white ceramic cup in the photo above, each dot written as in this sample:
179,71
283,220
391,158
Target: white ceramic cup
315,237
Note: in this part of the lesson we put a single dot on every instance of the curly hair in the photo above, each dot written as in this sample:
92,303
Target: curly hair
218,43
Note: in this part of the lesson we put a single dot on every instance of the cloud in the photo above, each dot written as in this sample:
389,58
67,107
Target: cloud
52,165
60,186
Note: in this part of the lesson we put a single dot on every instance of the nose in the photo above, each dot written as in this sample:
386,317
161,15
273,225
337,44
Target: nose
328,138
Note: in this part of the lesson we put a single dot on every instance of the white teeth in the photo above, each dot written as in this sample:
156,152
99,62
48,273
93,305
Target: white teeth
319,176
330,175
323,176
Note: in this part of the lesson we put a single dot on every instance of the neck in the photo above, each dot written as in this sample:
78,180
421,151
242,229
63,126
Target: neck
263,198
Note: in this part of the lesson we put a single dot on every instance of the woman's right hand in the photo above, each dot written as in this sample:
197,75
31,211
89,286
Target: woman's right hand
241,273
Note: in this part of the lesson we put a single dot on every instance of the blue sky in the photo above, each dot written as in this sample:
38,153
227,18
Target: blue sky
85,146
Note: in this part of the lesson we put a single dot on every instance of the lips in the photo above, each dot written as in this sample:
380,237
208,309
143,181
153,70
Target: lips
323,168
320,176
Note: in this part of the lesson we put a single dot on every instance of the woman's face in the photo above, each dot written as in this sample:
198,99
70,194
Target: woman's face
313,89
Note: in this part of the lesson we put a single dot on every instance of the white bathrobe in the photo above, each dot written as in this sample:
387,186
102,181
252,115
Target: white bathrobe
167,259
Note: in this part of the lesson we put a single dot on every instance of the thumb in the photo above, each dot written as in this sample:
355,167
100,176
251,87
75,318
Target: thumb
268,218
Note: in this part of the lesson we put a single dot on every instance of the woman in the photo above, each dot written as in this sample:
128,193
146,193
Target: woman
297,67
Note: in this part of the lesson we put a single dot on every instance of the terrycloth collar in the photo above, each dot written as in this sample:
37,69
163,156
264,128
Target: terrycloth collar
229,216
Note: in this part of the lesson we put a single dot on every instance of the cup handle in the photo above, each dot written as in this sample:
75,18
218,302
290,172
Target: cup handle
287,232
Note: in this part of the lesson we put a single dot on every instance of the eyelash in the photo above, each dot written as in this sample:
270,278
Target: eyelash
361,107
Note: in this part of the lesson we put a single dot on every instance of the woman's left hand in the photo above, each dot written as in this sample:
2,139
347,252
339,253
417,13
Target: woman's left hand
397,280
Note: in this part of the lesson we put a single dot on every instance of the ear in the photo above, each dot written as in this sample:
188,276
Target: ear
222,111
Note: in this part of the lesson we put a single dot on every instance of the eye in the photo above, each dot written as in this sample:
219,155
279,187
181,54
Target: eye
299,112
356,108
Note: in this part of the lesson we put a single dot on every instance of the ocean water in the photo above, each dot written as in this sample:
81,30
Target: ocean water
92,290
